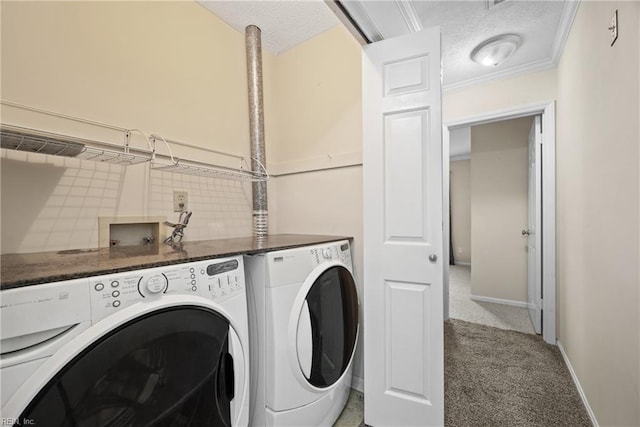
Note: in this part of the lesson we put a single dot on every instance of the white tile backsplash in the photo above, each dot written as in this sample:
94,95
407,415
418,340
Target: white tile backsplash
221,208
53,203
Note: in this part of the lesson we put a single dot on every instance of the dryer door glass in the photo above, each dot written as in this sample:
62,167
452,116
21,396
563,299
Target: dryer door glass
168,368
333,311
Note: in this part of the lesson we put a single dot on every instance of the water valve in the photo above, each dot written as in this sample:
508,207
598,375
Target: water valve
178,228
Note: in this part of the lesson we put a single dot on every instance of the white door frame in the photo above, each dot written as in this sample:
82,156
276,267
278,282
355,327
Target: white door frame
547,111
534,223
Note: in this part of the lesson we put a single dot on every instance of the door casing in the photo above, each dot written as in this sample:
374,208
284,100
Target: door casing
534,204
547,111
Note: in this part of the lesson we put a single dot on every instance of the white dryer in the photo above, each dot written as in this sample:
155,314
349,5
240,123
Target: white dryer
303,323
160,346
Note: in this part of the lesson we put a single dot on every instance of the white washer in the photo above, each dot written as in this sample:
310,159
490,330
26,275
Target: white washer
162,346
303,317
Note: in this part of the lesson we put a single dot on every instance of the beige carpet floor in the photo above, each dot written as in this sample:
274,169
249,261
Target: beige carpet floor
462,307
496,377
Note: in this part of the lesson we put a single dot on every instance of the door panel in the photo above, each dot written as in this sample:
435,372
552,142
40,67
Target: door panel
406,371
406,76
406,134
403,236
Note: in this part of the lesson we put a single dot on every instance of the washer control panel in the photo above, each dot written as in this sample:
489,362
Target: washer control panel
217,280
339,251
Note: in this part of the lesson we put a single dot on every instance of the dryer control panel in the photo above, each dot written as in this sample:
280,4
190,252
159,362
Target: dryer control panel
217,280
340,251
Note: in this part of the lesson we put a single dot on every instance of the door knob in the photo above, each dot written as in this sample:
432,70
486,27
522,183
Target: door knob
525,232
433,257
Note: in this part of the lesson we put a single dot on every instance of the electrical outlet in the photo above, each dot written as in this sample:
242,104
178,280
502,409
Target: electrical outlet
179,201
459,250
613,28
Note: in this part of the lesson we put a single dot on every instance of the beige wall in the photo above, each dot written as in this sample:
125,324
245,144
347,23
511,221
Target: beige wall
598,210
170,68
318,99
319,125
499,95
499,209
460,182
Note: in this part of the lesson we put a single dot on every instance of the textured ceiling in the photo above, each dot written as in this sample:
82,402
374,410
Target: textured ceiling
542,25
465,24
284,24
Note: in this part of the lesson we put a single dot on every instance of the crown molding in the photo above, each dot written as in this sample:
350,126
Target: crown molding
564,28
409,15
562,34
532,67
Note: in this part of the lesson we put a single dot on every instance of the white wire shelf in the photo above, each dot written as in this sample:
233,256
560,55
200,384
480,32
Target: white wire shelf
113,157
211,171
37,141
191,167
32,141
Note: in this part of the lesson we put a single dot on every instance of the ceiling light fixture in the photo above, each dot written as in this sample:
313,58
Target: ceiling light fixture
494,51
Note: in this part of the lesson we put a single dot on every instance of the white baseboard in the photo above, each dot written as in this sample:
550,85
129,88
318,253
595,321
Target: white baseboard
499,301
574,377
468,264
357,383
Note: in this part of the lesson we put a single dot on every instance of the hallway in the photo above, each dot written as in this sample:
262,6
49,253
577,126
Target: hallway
462,307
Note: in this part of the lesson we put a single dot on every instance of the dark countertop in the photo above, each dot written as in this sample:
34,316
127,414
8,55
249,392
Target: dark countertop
17,270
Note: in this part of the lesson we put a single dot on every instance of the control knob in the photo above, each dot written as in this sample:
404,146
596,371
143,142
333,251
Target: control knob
326,253
156,284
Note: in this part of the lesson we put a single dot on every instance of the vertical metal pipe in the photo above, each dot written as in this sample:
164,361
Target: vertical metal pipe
256,128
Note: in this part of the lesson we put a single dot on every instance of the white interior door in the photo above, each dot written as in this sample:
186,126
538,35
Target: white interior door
534,230
403,231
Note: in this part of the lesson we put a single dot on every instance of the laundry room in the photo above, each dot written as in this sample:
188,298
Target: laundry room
150,176
171,78
175,70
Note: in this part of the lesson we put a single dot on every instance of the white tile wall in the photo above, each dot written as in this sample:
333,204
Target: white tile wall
221,208
53,203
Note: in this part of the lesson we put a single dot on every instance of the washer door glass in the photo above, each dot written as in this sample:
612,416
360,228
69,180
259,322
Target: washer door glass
168,368
332,307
